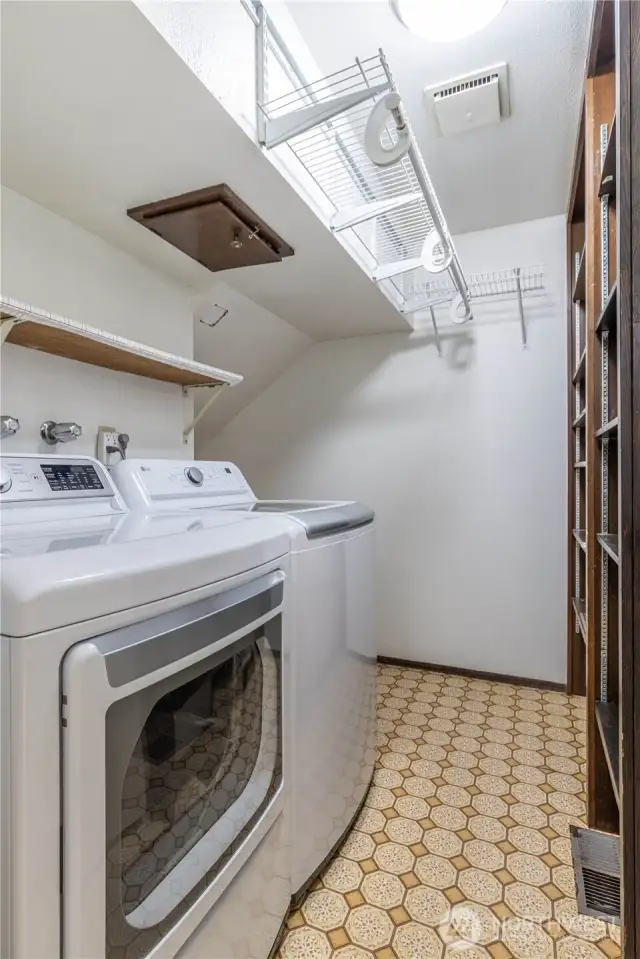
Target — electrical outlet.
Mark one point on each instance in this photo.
(107, 436)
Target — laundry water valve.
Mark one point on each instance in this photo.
(53, 433)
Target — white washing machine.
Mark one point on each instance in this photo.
(331, 630)
(142, 724)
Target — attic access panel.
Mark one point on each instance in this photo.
(214, 227)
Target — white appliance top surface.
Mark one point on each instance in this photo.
(167, 485)
(57, 570)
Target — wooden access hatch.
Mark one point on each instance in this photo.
(215, 227)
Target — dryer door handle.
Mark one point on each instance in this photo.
(136, 651)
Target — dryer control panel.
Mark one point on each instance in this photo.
(181, 484)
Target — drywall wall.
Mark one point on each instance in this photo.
(53, 264)
(463, 458)
(249, 340)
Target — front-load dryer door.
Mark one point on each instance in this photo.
(172, 762)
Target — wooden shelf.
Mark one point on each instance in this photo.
(37, 329)
(580, 419)
(580, 609)
(580, 285)
(599, 289)
(581, 367)
(609, 315)
(608, 178)
(580, 536)
(609, 430)
(609, 543)
(607, 720)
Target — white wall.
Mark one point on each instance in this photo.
(463, 458)
(51, 263)
(249, 340)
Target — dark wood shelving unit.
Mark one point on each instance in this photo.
(603, 379)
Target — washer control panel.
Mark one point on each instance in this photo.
(45, 478)
(58, 486)
(176, 484)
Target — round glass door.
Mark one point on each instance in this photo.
(192, 762)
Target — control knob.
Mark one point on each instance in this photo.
(5, 480)
(194, 475)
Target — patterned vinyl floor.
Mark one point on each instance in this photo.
(462, 848)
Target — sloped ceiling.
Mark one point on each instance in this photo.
(99, 114)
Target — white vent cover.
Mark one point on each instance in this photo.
(467, 102)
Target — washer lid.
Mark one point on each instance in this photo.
(145, 560)
(320, 518)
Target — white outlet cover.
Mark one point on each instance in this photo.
(106, 437)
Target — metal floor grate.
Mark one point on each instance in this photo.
(596, 860)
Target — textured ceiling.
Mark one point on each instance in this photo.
(515, 171)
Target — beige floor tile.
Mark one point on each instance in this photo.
(462, 849)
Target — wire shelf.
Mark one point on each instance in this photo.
(421, 295)
(333, 154)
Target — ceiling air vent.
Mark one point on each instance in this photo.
(467, 102)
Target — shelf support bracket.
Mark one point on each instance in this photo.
(361, 212)
(425, 305)
(386, 270)
(216, 391)
(296, 122)
(523, 325)
(7, 323)
(436, 334)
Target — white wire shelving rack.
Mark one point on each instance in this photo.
(386, 211)
(389, 210)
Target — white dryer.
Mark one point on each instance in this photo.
(141, 747)
(331, 628)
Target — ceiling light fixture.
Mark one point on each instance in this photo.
(446, 20)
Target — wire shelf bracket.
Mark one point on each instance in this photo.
(390, 208)
(396, 268)
(280, 129)
(362, 212)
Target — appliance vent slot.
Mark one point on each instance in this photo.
(466, 85)
(596, 861)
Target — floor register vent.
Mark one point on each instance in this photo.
(596, 861)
